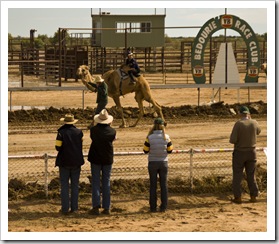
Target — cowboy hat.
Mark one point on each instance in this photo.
(103, 117)
(69, 119)
(98, 79)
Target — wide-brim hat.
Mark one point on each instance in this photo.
(103, 117)
(69, 119)
(99, 79)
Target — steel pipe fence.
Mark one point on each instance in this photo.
(191, 165)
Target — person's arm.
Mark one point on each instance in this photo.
(91, 86)
(233, 136)
(58, 142)
(169, 146)
(146, 146)
(258, 128)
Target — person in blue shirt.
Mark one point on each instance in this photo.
(132, 63)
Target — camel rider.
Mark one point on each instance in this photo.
(132, 63)
(102, 94)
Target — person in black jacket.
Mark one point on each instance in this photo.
(101, 158)
(69, 160)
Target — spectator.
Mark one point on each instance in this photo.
(244, 137)
(69, 160)
(101, 158)
(102, 95)
(158, 144)
(135, 70)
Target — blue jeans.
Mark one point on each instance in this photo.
(160, 168)
(69, 200)
(98, 171)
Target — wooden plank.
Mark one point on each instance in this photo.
(163, 86)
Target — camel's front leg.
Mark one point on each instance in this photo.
(139, 99)
(119, 108)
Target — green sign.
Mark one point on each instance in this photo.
(228, 22)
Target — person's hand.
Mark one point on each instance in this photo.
(84, 82)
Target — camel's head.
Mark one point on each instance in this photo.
(82, 71)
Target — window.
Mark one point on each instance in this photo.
(133, 27)
(145, 27)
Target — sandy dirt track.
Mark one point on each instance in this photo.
(186, 213)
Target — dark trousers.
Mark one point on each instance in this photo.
(100, 107)
(244, 160)
(161, 169)
(130, 72)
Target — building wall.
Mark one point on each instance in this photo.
(110, 38)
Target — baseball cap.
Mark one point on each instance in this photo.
(244, 110)
(158, 121)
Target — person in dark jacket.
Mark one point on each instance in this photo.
(135, 70)
(244, 137)
(101, 158)
(102, 95)
(158, 145)
(69, 160)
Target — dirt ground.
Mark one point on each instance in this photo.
(186, 213)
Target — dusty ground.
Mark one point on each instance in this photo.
(186, 213)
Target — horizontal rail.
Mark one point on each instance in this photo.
(161, 86)
(32, 61)
(211, 150)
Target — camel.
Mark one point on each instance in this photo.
(119, 84)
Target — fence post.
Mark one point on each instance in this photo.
(46, 174)
(82, 99)
(10, 100)
(191, 169)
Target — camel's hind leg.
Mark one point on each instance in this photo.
(119, 108)
(157, 107)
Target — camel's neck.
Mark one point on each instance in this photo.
(87, 78)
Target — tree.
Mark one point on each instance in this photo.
(55, 39)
